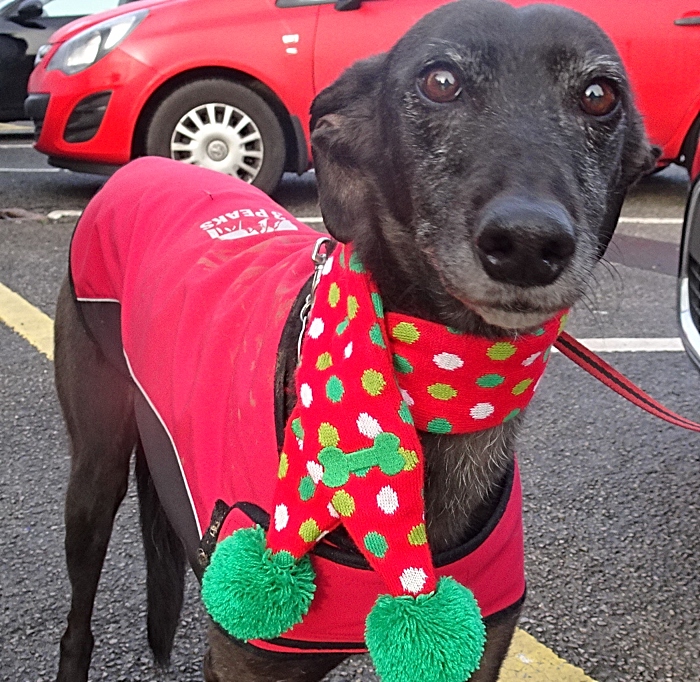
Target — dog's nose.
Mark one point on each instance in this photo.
(523, 241)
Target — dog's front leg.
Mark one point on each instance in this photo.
(499, 633)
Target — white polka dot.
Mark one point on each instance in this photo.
(481, 410)
(388, 500)
(306, 395)
(281, 517)
(448, 361)
(332, 511)
(316, 328)
(315, 471)
(413, 579)
(348, 350)
(405, 395)
(531, 359)
(300, 443)
(327, 265)
(368, 426)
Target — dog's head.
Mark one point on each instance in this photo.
(481, 164)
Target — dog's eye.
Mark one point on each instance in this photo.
(440, 85)
(599, 98)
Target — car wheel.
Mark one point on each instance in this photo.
(220, 125)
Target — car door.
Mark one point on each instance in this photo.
(20, 40)
(659, 42)
(343, 37)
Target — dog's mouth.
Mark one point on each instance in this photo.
(520, 317)
(511, 314)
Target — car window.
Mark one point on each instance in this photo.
(297, 3)
(77, 8)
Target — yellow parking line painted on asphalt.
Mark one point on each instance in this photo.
(528, 660)
(16, 128)
(28, 321)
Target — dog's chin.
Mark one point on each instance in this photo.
(511, 320)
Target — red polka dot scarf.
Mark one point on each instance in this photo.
(367, 382)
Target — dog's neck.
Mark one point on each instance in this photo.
(464, 474)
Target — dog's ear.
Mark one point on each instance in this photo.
(638, 159)
(346, 146)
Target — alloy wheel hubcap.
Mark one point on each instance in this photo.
(221, 137)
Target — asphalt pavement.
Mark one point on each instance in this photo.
(612, 503)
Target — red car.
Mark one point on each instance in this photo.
(227, 84)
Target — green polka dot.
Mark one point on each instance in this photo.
(328, 435)
(406, 332)
(439, 425)
(334, 389)
(342, 326)
(410, 458)
(284, 466)
(512, 414)
(538, 332)
(355, 264)
(521, 387)
(405, 413)
(333, 295)
(373, 382)
(376, 544)
(284, 559)
(324, 361)
(378, 305)
(442, 391)
(501, 351)
(341, 260)
(297, 428)
(401, 365)
(376, 336)
(417, 535)
(343, 503)
(452, 330)
(545, 357)
(353, 307)
(563, 321)
(307, 488)
(309, 531)
(490, 380)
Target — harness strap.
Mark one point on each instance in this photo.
(601, 370)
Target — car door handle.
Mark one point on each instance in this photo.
(690, 20)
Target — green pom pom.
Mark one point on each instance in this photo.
(438, 637)
(251, 592)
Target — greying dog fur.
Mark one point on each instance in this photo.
(479, 167)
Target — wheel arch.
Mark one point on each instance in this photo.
(296, 156)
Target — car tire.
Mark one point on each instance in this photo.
(221, 125)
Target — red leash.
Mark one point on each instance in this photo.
(601, 370)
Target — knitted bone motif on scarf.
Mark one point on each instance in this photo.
(366, 382)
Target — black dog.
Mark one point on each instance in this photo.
(479, 168)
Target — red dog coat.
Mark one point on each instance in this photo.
(202, 271)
